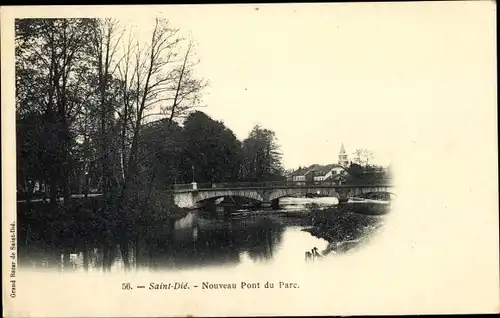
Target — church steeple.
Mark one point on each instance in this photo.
(343, 160)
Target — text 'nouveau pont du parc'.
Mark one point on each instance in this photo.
(212, 286)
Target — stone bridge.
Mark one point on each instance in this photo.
(268, 193)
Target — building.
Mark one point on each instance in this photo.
(316, 172)
(298, 175)
(343, 159)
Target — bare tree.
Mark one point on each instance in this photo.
(154, 80)
(363, 156)
(106, 42)
(88, 92)
(157, 82)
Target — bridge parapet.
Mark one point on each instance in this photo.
(190, 195)
(269, 185)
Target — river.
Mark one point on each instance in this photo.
(220, 236)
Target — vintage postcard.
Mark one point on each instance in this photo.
(249, 160)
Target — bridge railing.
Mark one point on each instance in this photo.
(263, 184)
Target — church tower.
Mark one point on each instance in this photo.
(343, 160)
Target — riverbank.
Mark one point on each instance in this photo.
(85, 220)
(343, 227)
(368, 207)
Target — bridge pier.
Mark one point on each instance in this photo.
(275, 204)
(343, 199)
(184, 200)
(265, 205)
(343, 195)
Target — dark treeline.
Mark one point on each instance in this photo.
(363, 171)
(86, 91)
(367, 174)
(205, 150)
(101, 109)
(98, 110)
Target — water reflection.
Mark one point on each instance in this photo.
(200, 239)
(216, 236)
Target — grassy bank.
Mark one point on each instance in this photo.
(84, 221)
(342, 225)
(367, 208)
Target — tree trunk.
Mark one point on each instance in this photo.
(53, 189)
(136, 252)
(66, 263)
(124, 247)
(85, 257)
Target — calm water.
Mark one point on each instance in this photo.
(201, 239)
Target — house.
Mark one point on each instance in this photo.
(333, 171)
(297, 175)
(316, 172)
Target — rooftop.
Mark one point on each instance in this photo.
(319, 170)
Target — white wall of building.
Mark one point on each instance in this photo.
(299, 178)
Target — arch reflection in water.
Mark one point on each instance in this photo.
(197, 240)
(216, 236)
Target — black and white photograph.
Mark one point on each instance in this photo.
(275, 146)
(121, 164)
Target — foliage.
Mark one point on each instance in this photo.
(372, 174)
(261, 156)
(52, 58)
(212, 152)
(207, 151)
(97, 111)
(100, 110)
(85, 91)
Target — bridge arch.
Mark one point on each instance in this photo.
(368, 195)
(357, 191)
(213, 195)
(187, 196)
(282, 193)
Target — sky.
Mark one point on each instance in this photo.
(316, 78)
(369, 75)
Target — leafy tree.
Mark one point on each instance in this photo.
(51, 58)
(211, 148)
(161, 147)
(261, 156)
(357, 174)
(30, 157)
(86, 99)
(355, 170)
